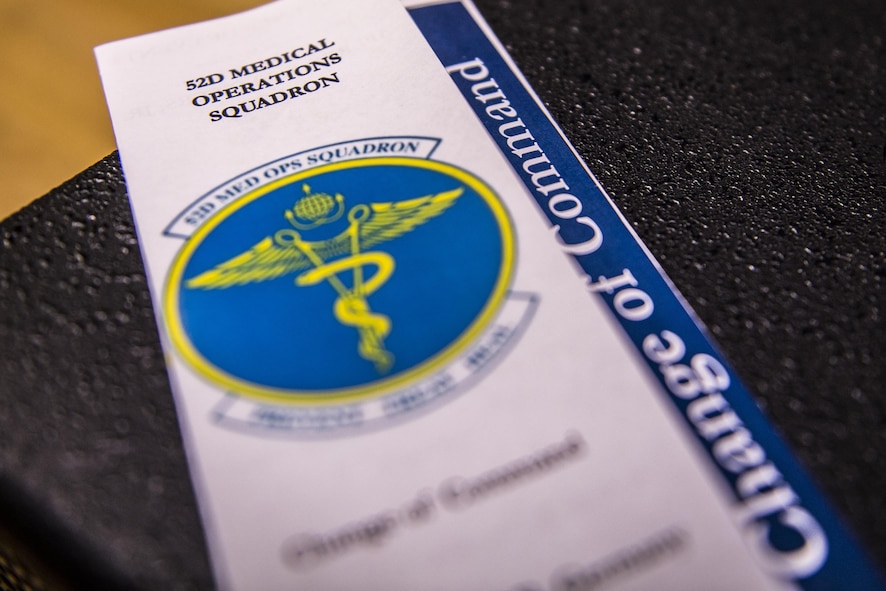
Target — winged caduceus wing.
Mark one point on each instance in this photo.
(393, 219)
(266, 260)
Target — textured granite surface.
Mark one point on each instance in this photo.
(744, 142)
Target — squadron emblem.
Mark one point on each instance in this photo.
(368, 225)
(341, 283)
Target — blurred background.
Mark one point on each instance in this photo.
(53, 119)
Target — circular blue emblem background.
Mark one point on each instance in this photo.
(276, 335)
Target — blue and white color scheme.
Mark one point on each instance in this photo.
(346, 290)
(413, 344)
(793, 531)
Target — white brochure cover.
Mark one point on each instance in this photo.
(388, 374)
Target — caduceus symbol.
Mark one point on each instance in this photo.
(368, 225)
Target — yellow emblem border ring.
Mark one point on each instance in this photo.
(188, 352)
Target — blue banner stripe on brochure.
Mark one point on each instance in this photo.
(787, 524)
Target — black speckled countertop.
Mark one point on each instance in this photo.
(743, 141)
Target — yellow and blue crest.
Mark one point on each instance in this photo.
(341, 283)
